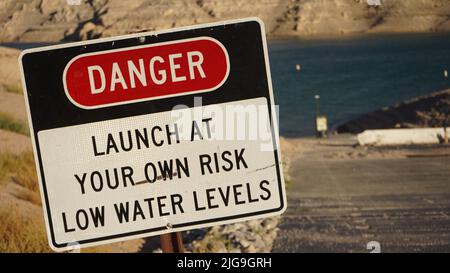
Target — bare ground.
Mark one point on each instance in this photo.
(13, 105)
(14, 143)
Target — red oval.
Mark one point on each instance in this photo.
(147, 72)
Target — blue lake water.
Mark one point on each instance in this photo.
(352, 75)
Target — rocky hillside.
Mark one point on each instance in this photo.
(56, 20)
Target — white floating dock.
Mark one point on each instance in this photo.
(406, 136)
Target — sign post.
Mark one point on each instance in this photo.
(320, 120)
(154, 133)
(172, 242)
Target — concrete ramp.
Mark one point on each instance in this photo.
(401, 136)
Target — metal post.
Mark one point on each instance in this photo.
(317, 97)
(445, 134)
(172, 242)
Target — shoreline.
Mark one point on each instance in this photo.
(430, 110)
(270, 38)
(351, 35)
(415, 112)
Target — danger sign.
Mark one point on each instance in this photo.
(151, 133)
(139, 73)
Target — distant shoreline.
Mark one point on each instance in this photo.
(428, 110)
(345, 36)
(270, 38)
(431, 110)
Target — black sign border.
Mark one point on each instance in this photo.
(134, 234)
